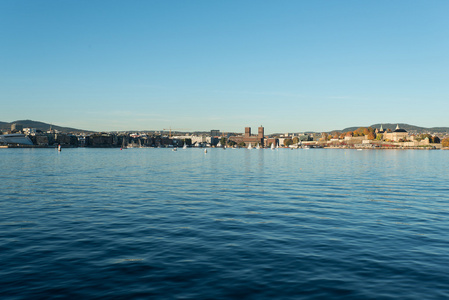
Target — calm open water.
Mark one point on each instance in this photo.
(229, 224)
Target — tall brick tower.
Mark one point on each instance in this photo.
(260, 136)
(261, 133)
(247, 131)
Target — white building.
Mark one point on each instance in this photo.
(29, 131)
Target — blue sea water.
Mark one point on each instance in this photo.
(227, 224)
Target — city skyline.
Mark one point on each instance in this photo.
(38, 126)
(294, 66)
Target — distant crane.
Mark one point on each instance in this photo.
(170, 129)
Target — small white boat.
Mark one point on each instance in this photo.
(272, 146)
(257, 147)
(205, 150)
(250, 147)
(184, 147)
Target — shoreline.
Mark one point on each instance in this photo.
(333, 148)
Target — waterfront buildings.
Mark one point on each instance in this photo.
(250, 139)
(15, 139)
(397, 135)
(362, 137)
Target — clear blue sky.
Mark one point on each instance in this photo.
(199, 65)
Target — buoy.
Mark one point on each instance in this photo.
(59, 147)
(205, 150)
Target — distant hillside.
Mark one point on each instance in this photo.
(4, 126)
(401, 125)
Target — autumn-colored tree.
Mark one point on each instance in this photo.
(366, 131)
(288, 142)
(359, 131)
(371, 136)
(349, 133)
(445, 142)
(379, 136)
(324, 136)
(342, 136)
(295, 140)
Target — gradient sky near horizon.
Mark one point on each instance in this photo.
(290, 66)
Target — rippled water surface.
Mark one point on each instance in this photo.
(229, 224)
